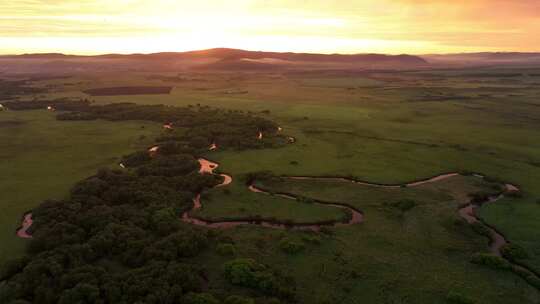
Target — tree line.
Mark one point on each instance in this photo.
(198, 126)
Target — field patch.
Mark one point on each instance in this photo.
(10, 123)
(135, 90)
(341, 82)
(50, 156)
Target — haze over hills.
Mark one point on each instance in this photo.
(211, 59)
(498, 58)
(224, 59)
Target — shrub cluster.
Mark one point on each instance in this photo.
(226, 249)
(403, 205)
(491, 261)
(514, 252)
(290, 246)
(454, 297)
(249, 273)
(480, 197)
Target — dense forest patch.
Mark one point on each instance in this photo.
(118, 237)
(196, 127)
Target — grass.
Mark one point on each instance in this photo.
(382, 127)
(42, 158)
(519, 222)
(235, 201)
(339, 82)
(414, 257)
(142, 90)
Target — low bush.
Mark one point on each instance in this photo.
(491, 261)
(326, 230)
(199, 298)
(480, 197)
(491, 179)
(482, 229)
(136, 159)
(514, 252)
(454, 297)
(533, 280)
(305, 200)
(226, 249)
(514, 194)
(311, 239)
(497, 187)
(403, 205)
(346, 216)
(260, 175)
(251, 274)
(290, 246)
(238, 300)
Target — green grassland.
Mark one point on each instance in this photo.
(42, 158)
(380, 127)
(394, 256)
(420, 253)
(237, 202)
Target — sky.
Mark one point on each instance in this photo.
(315, 26)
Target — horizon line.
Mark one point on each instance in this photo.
(262, 51)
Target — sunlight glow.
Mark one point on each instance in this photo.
(345, 26)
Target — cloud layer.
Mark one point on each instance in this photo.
(349, 26)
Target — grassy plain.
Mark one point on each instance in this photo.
(413, 256)
(416, 256)
(42, 158)
(382, 127)
(237, 202)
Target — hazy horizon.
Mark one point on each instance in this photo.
(258, 50)
(347, 27)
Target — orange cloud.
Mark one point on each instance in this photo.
(349, 26)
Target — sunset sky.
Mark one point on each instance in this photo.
(344, 26)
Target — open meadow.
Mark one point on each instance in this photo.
(42, 158)
(390, 127)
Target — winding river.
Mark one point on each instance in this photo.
(22, 232)
(497, 240)
(467, 212)
(208, 167)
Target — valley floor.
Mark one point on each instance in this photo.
(378, 127)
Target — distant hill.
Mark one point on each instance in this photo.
(211, 59)
(495, 58)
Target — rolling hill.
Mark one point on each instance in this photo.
(211, 59)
